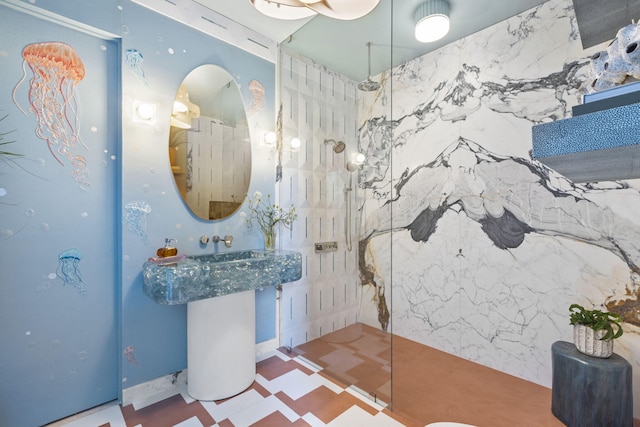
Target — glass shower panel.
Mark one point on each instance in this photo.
(337, 317)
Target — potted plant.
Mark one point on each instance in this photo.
(594, 330)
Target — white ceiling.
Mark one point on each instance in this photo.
(341, 45)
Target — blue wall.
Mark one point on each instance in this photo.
(169, 50)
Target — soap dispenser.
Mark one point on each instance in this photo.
(168, 250)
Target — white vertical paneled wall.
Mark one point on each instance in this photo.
(219, 165)
(317, 104)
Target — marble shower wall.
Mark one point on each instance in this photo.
(489, 247)
(316, 104)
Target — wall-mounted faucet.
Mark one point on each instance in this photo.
(227, 239)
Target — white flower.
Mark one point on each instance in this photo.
(268, 214)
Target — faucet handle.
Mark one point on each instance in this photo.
(227, 239)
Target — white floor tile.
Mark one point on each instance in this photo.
(111, 415)
(230, 407)
(330, 385)
(358, 417)
(383, 420)
(150, 400)
(294, 383)
(191, 422)
(260, 410)
(312, 420)
(283, 356)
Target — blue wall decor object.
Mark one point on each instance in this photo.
(599, 146)
(611, 128)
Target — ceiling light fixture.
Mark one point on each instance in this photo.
(432, 20)
(299, 9)
(283, 9)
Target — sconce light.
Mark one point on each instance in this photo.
(181, 101)
(144, 112)
(432, 20)
(268, 139)
(357, 160)
(295, 144)
(183, 110)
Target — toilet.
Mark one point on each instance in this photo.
(448, 424)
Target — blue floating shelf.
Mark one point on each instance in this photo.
(599, 146)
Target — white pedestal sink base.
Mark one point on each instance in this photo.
(221, 339)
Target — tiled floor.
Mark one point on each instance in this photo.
(429, 385)
(293, 389)
(287, 392)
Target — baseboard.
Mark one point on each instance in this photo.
(149, 392)
(159, 386)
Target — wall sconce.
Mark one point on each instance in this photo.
(295, 144)
(268, 139)
(432, 20)
(357, 160)
(144, 112)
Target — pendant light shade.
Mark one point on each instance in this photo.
(432, 20)
(288, 9)
(299, 9)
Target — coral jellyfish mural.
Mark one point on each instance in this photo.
(57, 70)
(69, 271)
(130, 356)
(256, 103)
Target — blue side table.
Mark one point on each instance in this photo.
(588, 391)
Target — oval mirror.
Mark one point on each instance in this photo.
(209, 143)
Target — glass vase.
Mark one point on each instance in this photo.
(269, 239)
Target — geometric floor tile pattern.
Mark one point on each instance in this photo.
(306, 386)
(287, 392)
(358, 355)
(428, 385)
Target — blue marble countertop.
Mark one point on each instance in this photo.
(198, 277)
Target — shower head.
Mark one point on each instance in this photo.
(369, 85)
(338, 146)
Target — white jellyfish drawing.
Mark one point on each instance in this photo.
(69, 271)
(136, 218)
(133, 59)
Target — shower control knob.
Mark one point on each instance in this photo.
(321, 247)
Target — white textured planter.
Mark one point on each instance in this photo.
(588, 341)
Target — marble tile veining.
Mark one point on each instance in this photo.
(483, 248)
